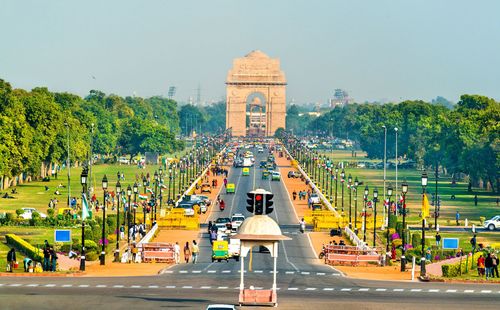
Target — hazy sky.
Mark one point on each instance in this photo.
(374, 49)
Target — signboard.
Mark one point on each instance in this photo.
(450, 243)
(62, 235)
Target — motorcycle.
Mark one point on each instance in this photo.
(222, 205)
(322, 253)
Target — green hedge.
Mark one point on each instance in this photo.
(24, 247)
(453, 270)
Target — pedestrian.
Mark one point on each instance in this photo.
(480, 265)
(309, 202)
(225, 182)
(53, 260)
(135, 250)
(294, 195)
(11, 260)
(122, 232)
(393, 252)
(457, 218)
(27, 263)
(187, 252)
(488, 266)
(177, 253)
(473, 242)
(46, 257)
(195, 252)
(214, 182)
(475, 200)
(438, 239)
(496, 262)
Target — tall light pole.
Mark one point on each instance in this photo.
(153, 215)
(385, 162)
(136, 191)
(90, 159)
(144, 185)
(422, 261)
(118, 196)
(349, 182)
(169, 182)
(375, 199)
(336, 180)
(356, 183)
(436, 199)
(342, 176)
(68, 165)
(83, 181)
(160, 187)
(129, 194)
(396, 133)
(404, 190)
(389, 194)
(365, 200)
(103, 236)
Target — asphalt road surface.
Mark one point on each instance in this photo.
(303, 281)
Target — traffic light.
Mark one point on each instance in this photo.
(269, 203)
(259, 204)
(251, 202)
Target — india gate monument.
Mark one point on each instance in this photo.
(255, 96)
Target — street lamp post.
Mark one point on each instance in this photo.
(103, 236)
(396, 133)
(356, 183)
(365, 198)
(68, 165)
(136, 190)
(153, 215)
(389, 194)
(342, 176)
(436, 199)
(385, 163)
(336, 180)
(118, 196)
(169, 182)
(349, 182)
(375, 198)
(404, 189)
(422, 261)
(330, 177)
(129, 194)
(144, 184)
(83, 179)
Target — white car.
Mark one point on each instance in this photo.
(236, 221)
(124, 160)
(315, 198)
(28, 212)
(233, 248)
(493, 223)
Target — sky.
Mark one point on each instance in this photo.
(376, 50)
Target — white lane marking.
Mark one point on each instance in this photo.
(1, 284)
(206, 287)
(49, 285)
(336, 274)
(32, 285)
(328, 289)
(187, 286)
(244, 271)
(292, 289)
(153, 286)
(310, 289)
(346, 289)
(258, 271)
(320, 273)
(101, 285)
(486, 291)
(290, 272)
(451, 291)
(67, 285)
(398, 290)
(433, 290)
(416, 290)
(295, 233)
(364, 289)
(212, 271)
(15, 284)
(168, 271)
(286, 232)
(468, 291)
(135, 286)
(83, 285)
(305, 272)
(381, 290)
(222, 288)
(118, 285)
(182, 271)
(170, 286)
(226, 271)
(271, 271)
(196, 271)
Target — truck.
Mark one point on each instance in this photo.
(234, 248)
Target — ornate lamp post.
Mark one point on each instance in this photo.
(349, 182)
(144, 185)
(103, 236)
(336, 180)
(83, 181)
(342, 176)
(365, 198)
(375, 198)
(153, 215)
(422, 261)
(169, 182)
(160, 186)
(356, 183)
(389, 194)
(136, 190)
(118, 196)
(404, 189)
(129, 194)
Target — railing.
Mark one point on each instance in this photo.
(357, 241)
(149, 235)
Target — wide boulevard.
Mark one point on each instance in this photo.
(303, 280)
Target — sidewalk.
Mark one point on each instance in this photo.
(435, 268)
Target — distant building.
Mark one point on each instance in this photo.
(340, 98)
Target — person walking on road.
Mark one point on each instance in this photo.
(177, 253)
(294, 195)
(11, 259)
(473, 242)
(195, 252)
(187, 252)
(438, 239)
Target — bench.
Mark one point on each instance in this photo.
(158, 256)
(352, 259)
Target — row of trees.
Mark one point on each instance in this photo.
(34, 128)
(462, 139)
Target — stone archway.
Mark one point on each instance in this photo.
(256, 88)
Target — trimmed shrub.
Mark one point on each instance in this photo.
(91, 256)
(393, 219)
(19, 212)
(399, 228)
(24, 247)
(397, 242)
(454, 270)
(416, 240)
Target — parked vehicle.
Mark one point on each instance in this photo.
(275, 176)
(236, 221)
(293, 174)
(28, 213)
(123, 160)
(315, 199)
(493, 223)
(206, 188)
(234, 247)
(188, 208)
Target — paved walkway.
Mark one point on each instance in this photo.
(435, 268)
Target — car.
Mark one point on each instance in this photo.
(220, 307)
(275, 176)
(260, 150)
(234, 248)
(262, 164)
(28, 213)
(223, 223)
(238, 163)
(194, 202)
(293, 174)
(236, 221)
(123, 160)
(493, 223)
(315, 198)
(188, 208)
(203, 198)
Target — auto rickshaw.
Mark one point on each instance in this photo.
(230, 188)
(245, 172)
(206, 188)
(316, 207)
(265, 174)
(64, 212)
(220, 251)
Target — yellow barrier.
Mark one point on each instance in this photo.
(177, 219)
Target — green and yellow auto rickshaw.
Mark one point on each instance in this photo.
(220, 251)
(230, 188)
(265, 174)
(245, 172)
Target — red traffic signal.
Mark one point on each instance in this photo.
(258, 197)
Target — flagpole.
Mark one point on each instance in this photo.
(422, 261)
(83, 179)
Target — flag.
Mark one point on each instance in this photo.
(143, 197)
(85, 207)
(149, 190)
(425, 207)
(163, 186)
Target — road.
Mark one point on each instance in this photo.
(303, 281)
